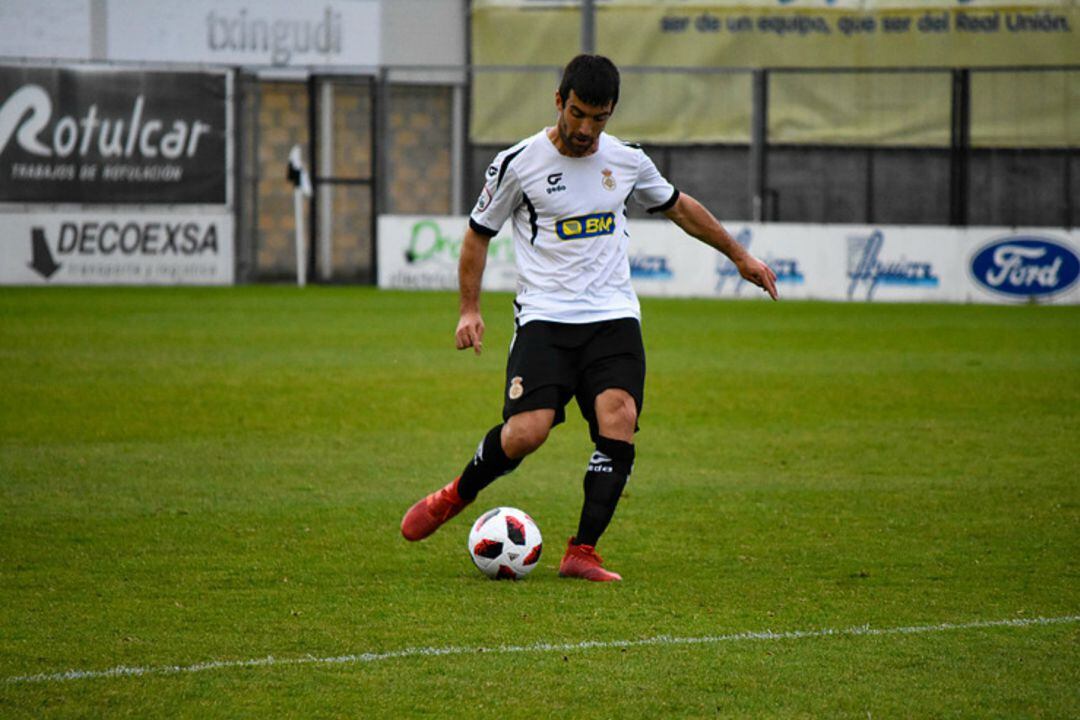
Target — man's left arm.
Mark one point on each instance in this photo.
(698, 222)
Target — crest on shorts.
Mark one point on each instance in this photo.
(516, 388)
(609, 180)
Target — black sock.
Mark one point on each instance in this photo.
(609, 469)
(489, 464)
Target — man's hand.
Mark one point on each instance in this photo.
(470, 332)
(758, 273)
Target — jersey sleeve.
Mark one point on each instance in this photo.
(500, 196)
(651, 189)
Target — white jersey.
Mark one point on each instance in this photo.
(569, 225)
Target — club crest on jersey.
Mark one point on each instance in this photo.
(609, 180)
(585, 226)
(516, 388)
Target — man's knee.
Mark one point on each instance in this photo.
(616, 414)
(525, 432)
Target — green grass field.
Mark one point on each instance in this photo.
(190, 476)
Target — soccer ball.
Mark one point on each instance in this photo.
(505, 543)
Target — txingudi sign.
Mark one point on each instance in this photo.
(278, 33)
(276, 39)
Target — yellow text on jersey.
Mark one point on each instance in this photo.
(585, 226)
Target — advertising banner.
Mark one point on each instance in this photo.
(787, 33)
(848, 263)
(859, 34)
(105, 136)
(866, 263)
(421, 253)
(686, 69)
(279, 33)
(116, 248)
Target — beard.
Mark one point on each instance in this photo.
(575, 144)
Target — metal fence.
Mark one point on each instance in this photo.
(996, 178)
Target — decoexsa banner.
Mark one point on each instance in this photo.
(107, 136)
(117, 248)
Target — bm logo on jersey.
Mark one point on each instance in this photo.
(585, 226)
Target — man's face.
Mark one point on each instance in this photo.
(580, 124)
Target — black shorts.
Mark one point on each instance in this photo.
(551, 362)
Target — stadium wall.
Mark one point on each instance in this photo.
(390, 81)
(858, 263)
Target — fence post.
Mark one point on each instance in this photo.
(301, 181)
(759, 120)
(959, 142)
(588, 26)
(313, 163)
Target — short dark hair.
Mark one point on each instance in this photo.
(594, 79)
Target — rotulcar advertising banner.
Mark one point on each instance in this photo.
(786, 33)
(92, 135)
(845, 263)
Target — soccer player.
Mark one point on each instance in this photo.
(577, 318)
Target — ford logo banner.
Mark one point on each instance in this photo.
(1025, 266)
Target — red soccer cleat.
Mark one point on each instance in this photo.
(429, 513)
(582, 561)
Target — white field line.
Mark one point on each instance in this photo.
(762, 635)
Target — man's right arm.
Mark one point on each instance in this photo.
(470, 328)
